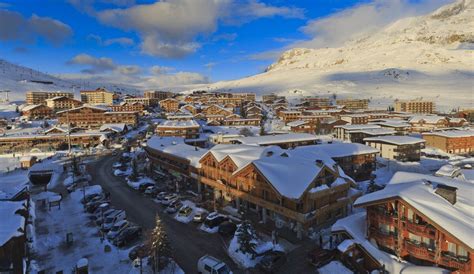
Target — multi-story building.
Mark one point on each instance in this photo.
(100, 96)
(157, 95)
(34, 112)
(241, 122)
(300, 126)
(289, 115)
(355, 119)
(316, 102)
(272, 98)
(357, 133)
(415, 106)
(427, 123)
(50, 141)
(188, 129)
(401, 127)
(127, 107)
(39, 97)
(425, 220)
(353, 104)
(400, 148)
(216, 110)
(92, 117)
(169, 105)
(61, 103)
(451, 141)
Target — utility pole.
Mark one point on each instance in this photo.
(68, 133)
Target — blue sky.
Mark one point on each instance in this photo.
(190, 40)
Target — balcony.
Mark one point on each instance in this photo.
(420, 251)
(459, 263)
(383, 217)
(388, 239)
(422, 229)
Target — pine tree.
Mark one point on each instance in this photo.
(134, 175)
(247, 238)
(160, 245)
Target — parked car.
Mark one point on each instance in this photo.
(143, 186)
(319, 257)
(99, 210)
(167, 200)
(151, 191)
(161, 196)
(227, 228)
(137, 251)
(117, 228)
(185, 211)
(208, 264)
(100, 216)
(200, 216)
(128, 235)
(91, 207)
(174, 207)
(271, 261)
(111, 220)
(89, 197)
(214, 219)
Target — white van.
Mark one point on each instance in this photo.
(112, 219)
(210, 265)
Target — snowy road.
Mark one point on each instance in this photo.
(188, 243)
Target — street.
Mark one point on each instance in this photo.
(188, 242)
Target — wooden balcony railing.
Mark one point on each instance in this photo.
(419, 251)
(453, 262)
(384, 239)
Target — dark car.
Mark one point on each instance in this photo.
(319, 257)
(137, 251)
(271, 261)
(214, 220)
(227, 228)
(128, 235)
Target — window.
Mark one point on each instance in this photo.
(462, 252)
(428, 242)
(410, 215)
(452, 248)
(207, 268)
(414, 238)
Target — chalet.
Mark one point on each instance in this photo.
(427, 123)
(289, 115)
(425, 220)
(300, 126)
(188, 129)
(128, 107)
(355, 119)
(457, 122)
(33, 112)
(357, 133)
(169, 105)
(400, 148)
(94, 117)
(241, 122)
(62, 102)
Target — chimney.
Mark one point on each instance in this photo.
(319, 162)
(269, 153)
(447, 192)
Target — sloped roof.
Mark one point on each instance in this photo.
(419, 191)
(395, 140)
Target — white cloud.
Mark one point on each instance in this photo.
(128, 70)
(210, 65)
(225, 36)
(175, 28)
(13, 27)
(95, 65)
(123, 41)
(156, 70)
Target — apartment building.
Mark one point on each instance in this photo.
(157, 95)
(94, 117)
(33, 112)
(451, 141)
(61, 103)
(400, 148)
(188, 129)
(100, 96)
(353, 104)
(357, 133)
(285, 141)
(272, 98)
(127, 107)
(240, 122)
(39, 97)
(316, 102)
(289, 115)
(169, 105)
(355, 119)
(425, 220)
(415, 106)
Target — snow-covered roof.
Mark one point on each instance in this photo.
(358, 127)
(338, 150)
(375, 131)
(277, 139)
(31, 107)
(395, 140)
(297, 123)
(114, 127)
(356, 226)
(392, 123)
(448, 171)
(11, 184)
(430, 119)
(103, 108)
(419, 191)
(452, 133)
(12, 224)
(178, 123)
(177, 147)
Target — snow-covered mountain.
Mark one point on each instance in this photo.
(19, 79)
(427, 56)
